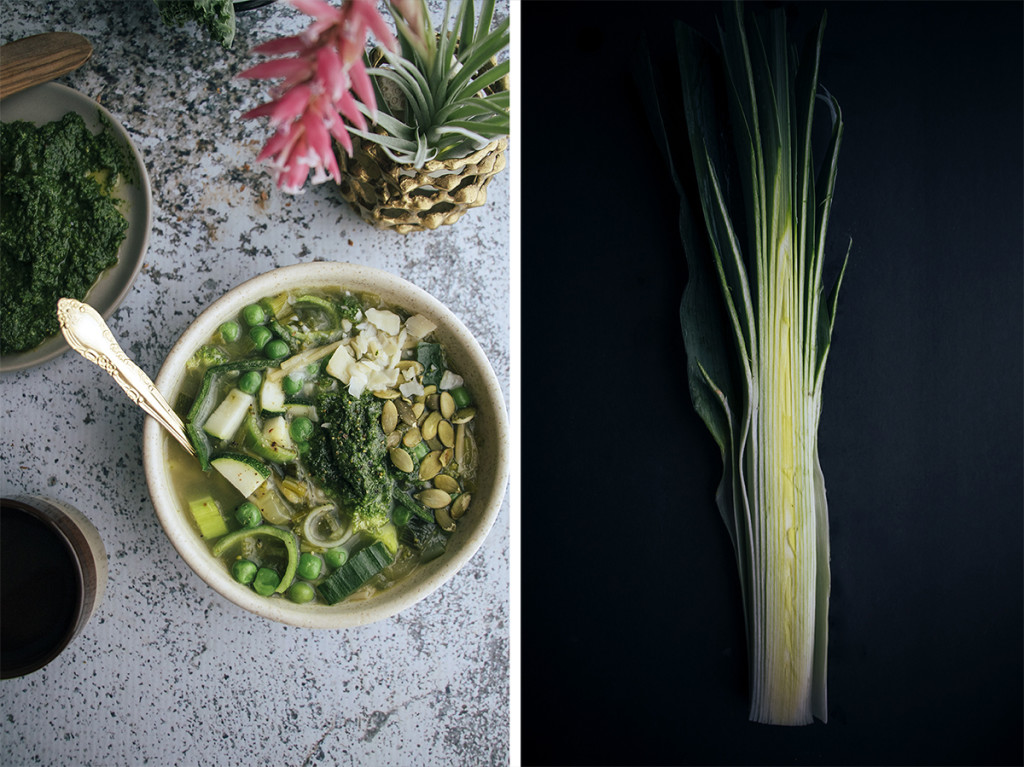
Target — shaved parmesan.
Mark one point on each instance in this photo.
(389, 322)
(419, 326)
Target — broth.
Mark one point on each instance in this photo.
(336, 448)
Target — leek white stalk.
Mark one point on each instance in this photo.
(757, 335)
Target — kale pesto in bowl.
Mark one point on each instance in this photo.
(351, 445)
(74, 219)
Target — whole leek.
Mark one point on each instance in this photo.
(757, 334)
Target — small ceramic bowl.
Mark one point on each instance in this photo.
(466, 357)
(49, 102)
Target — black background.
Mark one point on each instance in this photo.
(631, 626)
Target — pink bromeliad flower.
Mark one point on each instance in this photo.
(323, 81)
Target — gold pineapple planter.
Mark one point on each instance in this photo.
(404, 199)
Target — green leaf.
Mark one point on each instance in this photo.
(484, 128)
(482, 52)
(807, 77)
(826, 185)
(827, 322)
(474, 107)
(414, 86)
(410, 90)
(489, 77)
(422, 151)
(448, 46)
(698, 66)
(396, 128)
(485, 39)
(467, 139)
(390, 142)
(485, 20)
(467, 16)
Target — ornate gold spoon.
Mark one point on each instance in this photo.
(88, 334)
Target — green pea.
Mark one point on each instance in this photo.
(291, 385)
(276, 349)
(461, 396)
(254, 315)
(301, 429)
(300, 593)
(230, 331)
(419, 451)
(248, 514)
(250, 382)
(260, 335)
(266, 581)
(309, 566)
(335, 558)
(243, 570)
(400, 516)
(313, 370)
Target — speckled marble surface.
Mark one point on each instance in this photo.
(168, 672)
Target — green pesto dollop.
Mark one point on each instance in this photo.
(59, 225)
(347, 456)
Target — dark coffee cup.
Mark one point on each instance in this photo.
(53, 572)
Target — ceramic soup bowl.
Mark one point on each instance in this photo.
(161, 452)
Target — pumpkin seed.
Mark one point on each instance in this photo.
(401, 459)
(417, 410)
(394, 439)
(388, 394)
(446, 482)
(433, 401)
(433, 498)
(446, 456)
(412, 437)
(460, 505)
(430, 389)
(430, 466)
(429, 427)
(444, 519)
(446, 433)
(435, 444)
(405, 412)
(464, 416)
(447, 404)
(389, 417)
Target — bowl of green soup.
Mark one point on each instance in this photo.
(350, 445)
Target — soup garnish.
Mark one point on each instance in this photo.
(335, 447)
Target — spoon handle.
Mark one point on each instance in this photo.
(39, 59)
(88, 334)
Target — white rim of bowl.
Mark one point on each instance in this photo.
(405, 593)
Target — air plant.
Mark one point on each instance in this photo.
(447, 105)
